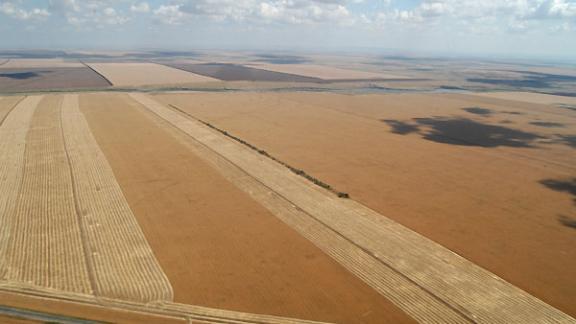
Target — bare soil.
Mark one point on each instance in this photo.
(218, 247)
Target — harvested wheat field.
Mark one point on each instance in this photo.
(140, 74)
(491, 181)
(209, 208)
(244, 260)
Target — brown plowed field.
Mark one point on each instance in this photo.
(218, 247)
(234, 72)
(28, 79)
(323, 72)
(488, 179)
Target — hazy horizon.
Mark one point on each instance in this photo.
(509, 28)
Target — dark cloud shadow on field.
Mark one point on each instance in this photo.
(569, 140)
(567, 221)
(21, 75)
(400, 127)
(463, 131)
(546, 124)
(564, 106)
(479, 111)
(561, 185)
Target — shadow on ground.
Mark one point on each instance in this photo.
(479, 111)
(20, 75)
(463, 131)
(569, 140)
(400, 127)
(567, 221)
(561, 185)
(546, 124)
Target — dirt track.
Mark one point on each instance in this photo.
(218, 247)
(486, 204)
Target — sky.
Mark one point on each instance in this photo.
(513, 28)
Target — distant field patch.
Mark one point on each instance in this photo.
(139, 74)
(324, 72)
(234, 72)
(39, 63)
(24, 79)
(537, 98)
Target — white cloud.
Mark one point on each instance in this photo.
(170, 15)
(12, 9)
(142, 7)
(253, 11)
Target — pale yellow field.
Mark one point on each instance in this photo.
(323, 72)
(38, 63)
(139, 74)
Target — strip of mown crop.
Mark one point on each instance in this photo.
(297, 171)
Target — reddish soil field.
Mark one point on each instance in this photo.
(50, 78)
(218, 247)
(489, 179)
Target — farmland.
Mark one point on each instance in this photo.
(138, 74)
(260, 188)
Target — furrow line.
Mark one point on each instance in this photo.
(13, 131)
(190, 312)
(427, 271)
(124, 265)
(44, 246)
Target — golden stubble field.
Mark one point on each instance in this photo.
(155, 206)
(490, 179)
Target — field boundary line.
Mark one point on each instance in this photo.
(296, 171)
(476, 292)
(13, 131)
(95, 71)
(124, 265)
(189, 312)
